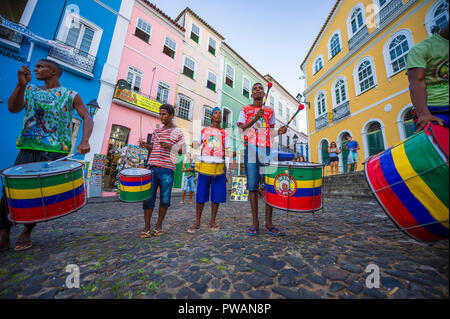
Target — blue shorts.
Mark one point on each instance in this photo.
(216, 185)
(162, 177)
(188, 184)
(254, 159)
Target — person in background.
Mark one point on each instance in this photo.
(353, 148)
(333, 152)
(188, 179)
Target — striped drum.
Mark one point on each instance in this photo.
(37, 194)
(410, 181)
(293, 186)
(135, 184)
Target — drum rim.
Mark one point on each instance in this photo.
(308, 165)
(49, 219)
(147, 174)
(198, 160)
(40, 175)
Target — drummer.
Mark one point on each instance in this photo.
(257, 123)
(47, 130)
(215, 142)
(427, 69)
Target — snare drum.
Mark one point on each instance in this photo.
(293, 186)
(37, 194)
(410, 181)
(135, 184)
(211, 166)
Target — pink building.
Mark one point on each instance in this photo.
(148, 76)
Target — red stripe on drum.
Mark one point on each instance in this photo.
(294, 203)
(135, 178)
(37, 214)
(394, 208)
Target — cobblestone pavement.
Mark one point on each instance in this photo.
(324, 255)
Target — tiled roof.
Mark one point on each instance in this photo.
(201, 20)
(320, 33)
(154, 7)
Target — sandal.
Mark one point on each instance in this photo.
(23, 245)
(145, 234)
(158, 232)
(252, 232)
(193, 229)
(214, 228)
(274, 231)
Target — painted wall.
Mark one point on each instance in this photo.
(382, 103)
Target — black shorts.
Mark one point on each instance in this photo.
(334, 159)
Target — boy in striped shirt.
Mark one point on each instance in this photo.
(166, 143)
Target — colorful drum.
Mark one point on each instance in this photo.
(135, 184)
(208, 165)
(37, 194)
(293, 186)
(410, 181)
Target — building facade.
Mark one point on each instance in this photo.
(355, 74)
(87, 27)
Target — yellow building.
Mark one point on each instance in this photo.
(355, 74)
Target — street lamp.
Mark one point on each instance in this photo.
(93, 107)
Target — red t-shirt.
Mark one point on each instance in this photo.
(259, 133)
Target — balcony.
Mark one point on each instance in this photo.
(286, 149)
(358, 37)
(13, 39)
(341, 111)
(74, 58)
(322, 121)
(388, 11)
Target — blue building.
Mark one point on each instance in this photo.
(88, 27)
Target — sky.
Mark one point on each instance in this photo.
(273, 36)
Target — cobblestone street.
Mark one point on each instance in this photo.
(324, 255)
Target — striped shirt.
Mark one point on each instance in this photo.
(162, 157)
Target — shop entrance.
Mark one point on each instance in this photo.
(117, 140)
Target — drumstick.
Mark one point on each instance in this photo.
(47, 164)
(300, 107)
(30, 52)
(269, 86)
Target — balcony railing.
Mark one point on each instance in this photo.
(10, 35)
(341, 111)
(74, 57)
(286, 149)
(322, 121)
(388, 11)
(358, 37)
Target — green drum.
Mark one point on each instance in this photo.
(293, 186)
(135, 184)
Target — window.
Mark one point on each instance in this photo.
(288, 114)
(195, 33)
(408, 123)
(398, 51)
(212, 46)
(226, 118)
(143, 30)
(80, 36)
(365, 77)
(356, 21)
(280, 140)
(335, 45)
(184, 107)
(17, 11)
(134, 77)
(437, 16)
(340, 92)
(272, 102)
(206, 115)
(318, 64)
(280, 108)
(211, 82)
(246, 87)
(295, 122)
(321, 104)
(163, 92)
(170, 47)
(189, 67)
(288, 142)
(229, 77)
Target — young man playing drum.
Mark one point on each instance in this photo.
(215, 142)
(166, 143)
(427, 69)
(257, 122)
(47, 130)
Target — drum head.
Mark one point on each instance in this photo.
(36, 169)
(135, 172)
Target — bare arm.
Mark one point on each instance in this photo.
(88, 125)
(418, 92)
(16, 101)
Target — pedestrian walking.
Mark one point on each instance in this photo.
(353, 148)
